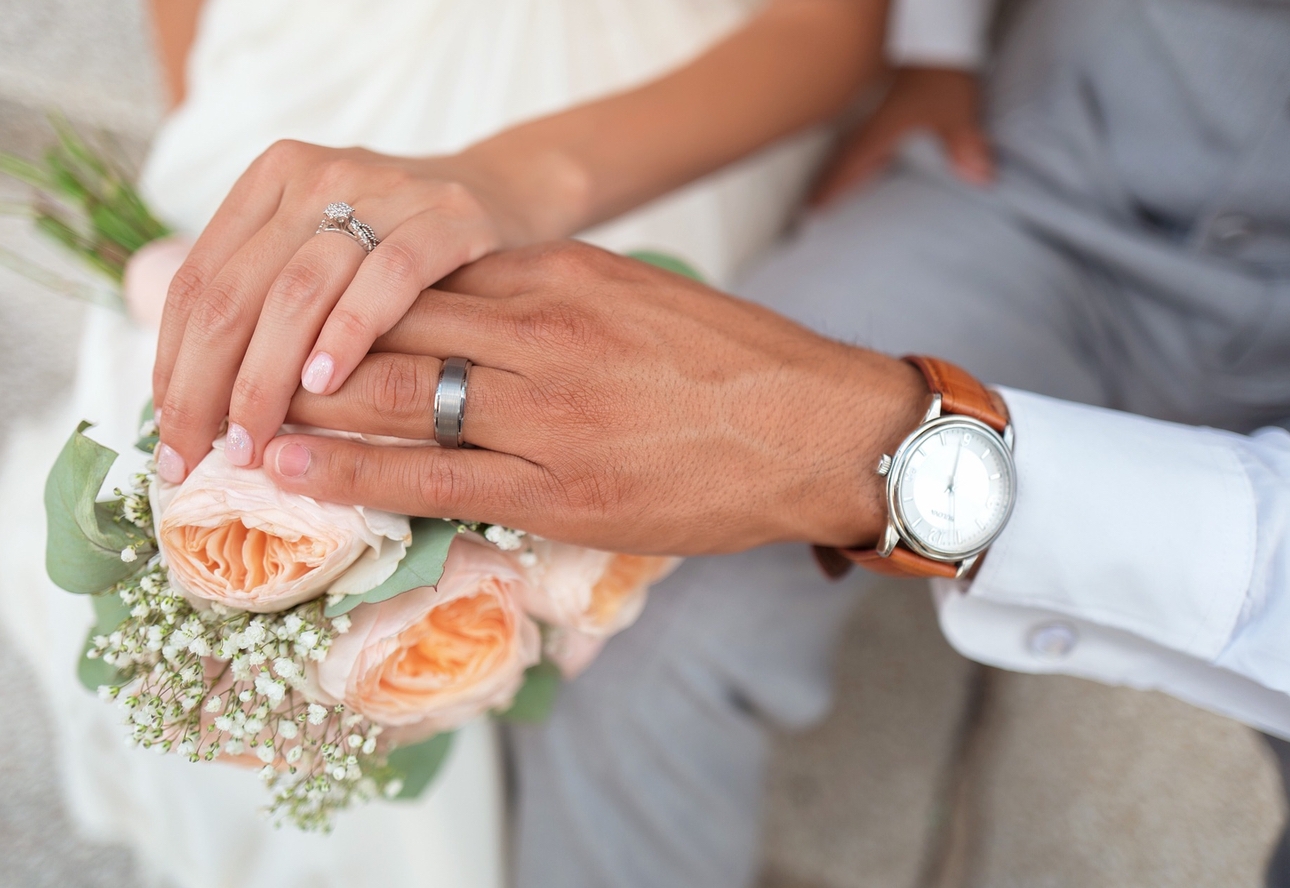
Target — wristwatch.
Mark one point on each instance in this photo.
(951, 484)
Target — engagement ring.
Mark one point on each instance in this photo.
(339, 217)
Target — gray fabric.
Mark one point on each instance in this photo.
(648, 772)
(1106, 266)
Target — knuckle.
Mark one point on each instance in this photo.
(283, 154)
(187, 285)
(182, 421)
(350, 469)
(456, 198)
(297, 286)
(398, 388)
(218, 312)
(249, 394)
(336, 173)
(555, 323)
(563, 259)
(440, 486)
(396, 262)
(351, 324)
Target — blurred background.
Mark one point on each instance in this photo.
(931, 771)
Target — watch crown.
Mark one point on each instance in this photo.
(884, 464)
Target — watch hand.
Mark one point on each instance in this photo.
(954, 471)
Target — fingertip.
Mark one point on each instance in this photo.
(318, 373)
(239, 446)
(170, 465)
(287, 458)
(972, 159)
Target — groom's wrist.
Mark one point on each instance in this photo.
(877, 402)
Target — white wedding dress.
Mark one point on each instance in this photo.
(403, 77)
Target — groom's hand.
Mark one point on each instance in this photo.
(617, 406)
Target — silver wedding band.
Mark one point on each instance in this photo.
(450, 402)
(338, 217)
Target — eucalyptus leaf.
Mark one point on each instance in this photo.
(536, 696)
(421, 566)
(148, 443)
(418, 764)
(109, 612)
(85, 537)
(667, 262)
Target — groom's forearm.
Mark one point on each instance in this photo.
(796, 63)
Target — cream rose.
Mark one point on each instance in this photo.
(433, 658)
(570, 650)
(229, 535)
(588, 591)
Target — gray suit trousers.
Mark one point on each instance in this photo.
(1135, 253)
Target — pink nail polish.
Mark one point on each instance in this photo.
(238, 446)
(170, 465)
(293, 461)
(318, 374)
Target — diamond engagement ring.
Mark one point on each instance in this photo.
(450, 402)
(339, 217)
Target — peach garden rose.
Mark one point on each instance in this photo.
(228, 535)
(433, 658)
(588, 591)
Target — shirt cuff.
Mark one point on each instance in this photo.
(938, 33)
(1134, 524)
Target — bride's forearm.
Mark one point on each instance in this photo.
(795, 64)
(174, 24)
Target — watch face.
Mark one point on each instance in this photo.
(953, 488)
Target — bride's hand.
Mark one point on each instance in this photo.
(262, 305)
(943, 101)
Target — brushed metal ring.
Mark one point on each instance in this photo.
(450, 402)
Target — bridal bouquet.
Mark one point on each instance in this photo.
(333, 648)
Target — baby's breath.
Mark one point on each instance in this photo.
(217, 682)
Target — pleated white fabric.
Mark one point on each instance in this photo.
(400, 76)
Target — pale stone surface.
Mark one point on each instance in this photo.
(1078, 785)
(90, 59)
(858, 802)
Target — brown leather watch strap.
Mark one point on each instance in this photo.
(961, 394)
(901, 562)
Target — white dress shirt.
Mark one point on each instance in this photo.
(938, 33)
(1139, 553)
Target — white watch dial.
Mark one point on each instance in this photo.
(954, 490)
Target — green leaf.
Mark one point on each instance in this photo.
(83, 548)
(536, 696)
(148, 443)
(418, 764)
(667, 263)
(109, 612)
(422, 566)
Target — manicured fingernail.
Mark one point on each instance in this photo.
(318, 374)
(293, 461)
(156, 417)
(170, 465)
(238, 446)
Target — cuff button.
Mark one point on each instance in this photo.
(1052, 641)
